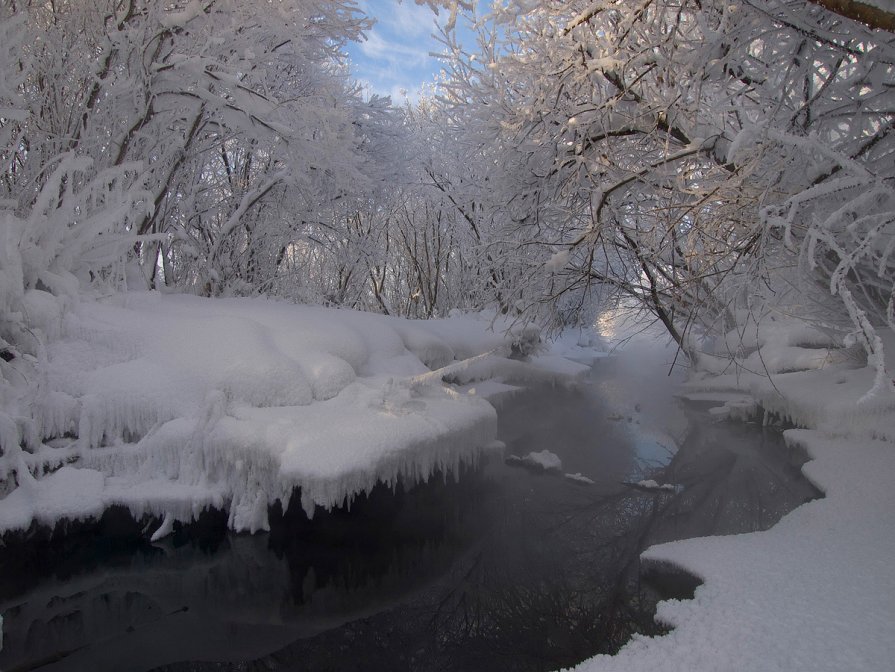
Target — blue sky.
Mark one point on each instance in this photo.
(394, 60)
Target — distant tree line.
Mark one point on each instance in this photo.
(699, 158)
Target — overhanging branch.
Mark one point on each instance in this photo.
(871, 15)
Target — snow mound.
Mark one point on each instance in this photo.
(650, 484)
(823, 399)
(812, 593)
(168, 405)
(543, 460)
(815, 591)
(771, 331)
(578, 477)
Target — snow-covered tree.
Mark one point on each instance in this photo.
(682, 152)
(222, 121)
(150, 143)
(695, 157)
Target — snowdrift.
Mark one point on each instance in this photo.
(171, 404)
(814, 592)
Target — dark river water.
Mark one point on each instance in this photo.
(502, 569)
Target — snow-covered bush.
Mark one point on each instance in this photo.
(146, 143)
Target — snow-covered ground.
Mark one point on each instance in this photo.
(817, 591)
(171, 404)
(542, 460)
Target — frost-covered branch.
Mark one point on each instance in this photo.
(875, 13)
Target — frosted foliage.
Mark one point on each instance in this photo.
(114, 115)
(171, 404)
(687, 156)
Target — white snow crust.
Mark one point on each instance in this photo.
(578, 477)
(650, 484)
(170, 404)
(543, 459)
(816, 591)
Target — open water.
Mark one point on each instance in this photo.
(504, 568)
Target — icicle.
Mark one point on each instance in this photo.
(164, 529)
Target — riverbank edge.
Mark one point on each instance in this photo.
(814, 591)
(141, 401)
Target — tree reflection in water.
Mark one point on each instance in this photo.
(504, 570)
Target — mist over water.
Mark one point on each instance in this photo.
(503, 569)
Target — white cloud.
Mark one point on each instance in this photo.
(395, 59)
(379, 48)
(410, 19)
(404, 19)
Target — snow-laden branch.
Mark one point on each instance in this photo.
(875, 13)
(436, 376)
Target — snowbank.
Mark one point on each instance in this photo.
(543, 460)
(816, 591)
(650, 484)
(171, 404)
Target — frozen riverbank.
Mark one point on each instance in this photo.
(816, 591)
(168, 405)
(396, 582)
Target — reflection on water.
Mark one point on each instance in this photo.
(503, 570)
